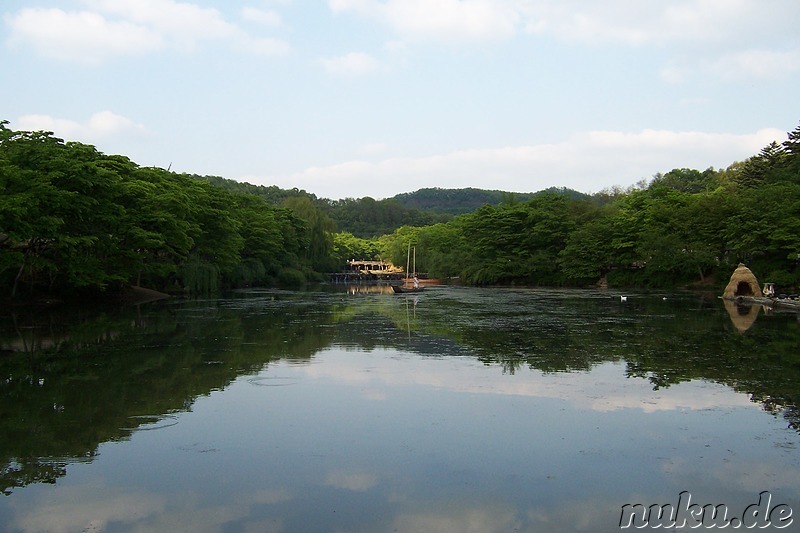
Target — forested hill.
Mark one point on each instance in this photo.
(366, 217)
(272, 194)
(467, 200)
(362, 217)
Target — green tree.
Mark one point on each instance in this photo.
(59, 213)
(686, 180)
(347, 246)
(158, 229)
(588, 253)
(319, 230)
(442, 250)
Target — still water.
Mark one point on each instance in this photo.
(458, 409)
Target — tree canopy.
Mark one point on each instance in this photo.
(72, 218)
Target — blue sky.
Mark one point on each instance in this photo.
(354, 98)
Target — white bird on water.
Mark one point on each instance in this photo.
(623, 298)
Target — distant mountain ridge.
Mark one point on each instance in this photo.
(436, 199)
(467, 200)
(366, 217)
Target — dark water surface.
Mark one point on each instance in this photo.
(460, 409)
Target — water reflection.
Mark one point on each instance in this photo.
(388, 440)
(332, 387)
(369, 288)
(742, 316)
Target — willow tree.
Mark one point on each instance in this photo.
(319, 231)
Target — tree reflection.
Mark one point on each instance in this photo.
(75, 378)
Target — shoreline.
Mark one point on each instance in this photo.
(779, 303)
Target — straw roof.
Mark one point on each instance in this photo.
(743, 283)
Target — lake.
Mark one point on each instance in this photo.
(352, 409)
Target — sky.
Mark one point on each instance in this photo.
(356, 98)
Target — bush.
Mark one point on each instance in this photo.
(199, 277)
(291, 277)
(248, 273)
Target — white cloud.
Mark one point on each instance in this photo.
(112, 28)
(261, 16)
(82, 37)
(760, 64)
(637, 23)
(712, 36)
(372, 149)
(673, 74)
(587, 162)
(99, 126)
(453, 19)
(737, 66)
(615, 21)
(352, 63)
(361, 6)
(262, 46)
(107, 123)
(590, 22)
(179, 21)
(440, 19)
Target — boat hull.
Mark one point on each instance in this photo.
(399, 289)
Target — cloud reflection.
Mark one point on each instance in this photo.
(460, 520)
(600, 390)
(87, 508)
(84, 508)
(355, 481)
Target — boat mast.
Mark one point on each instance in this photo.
(408, 261)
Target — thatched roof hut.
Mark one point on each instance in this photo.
(743, 283)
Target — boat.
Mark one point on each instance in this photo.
(414, 286)
(402, 289)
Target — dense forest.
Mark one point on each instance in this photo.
(366, 217)
(362, 217)
(73, 219)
